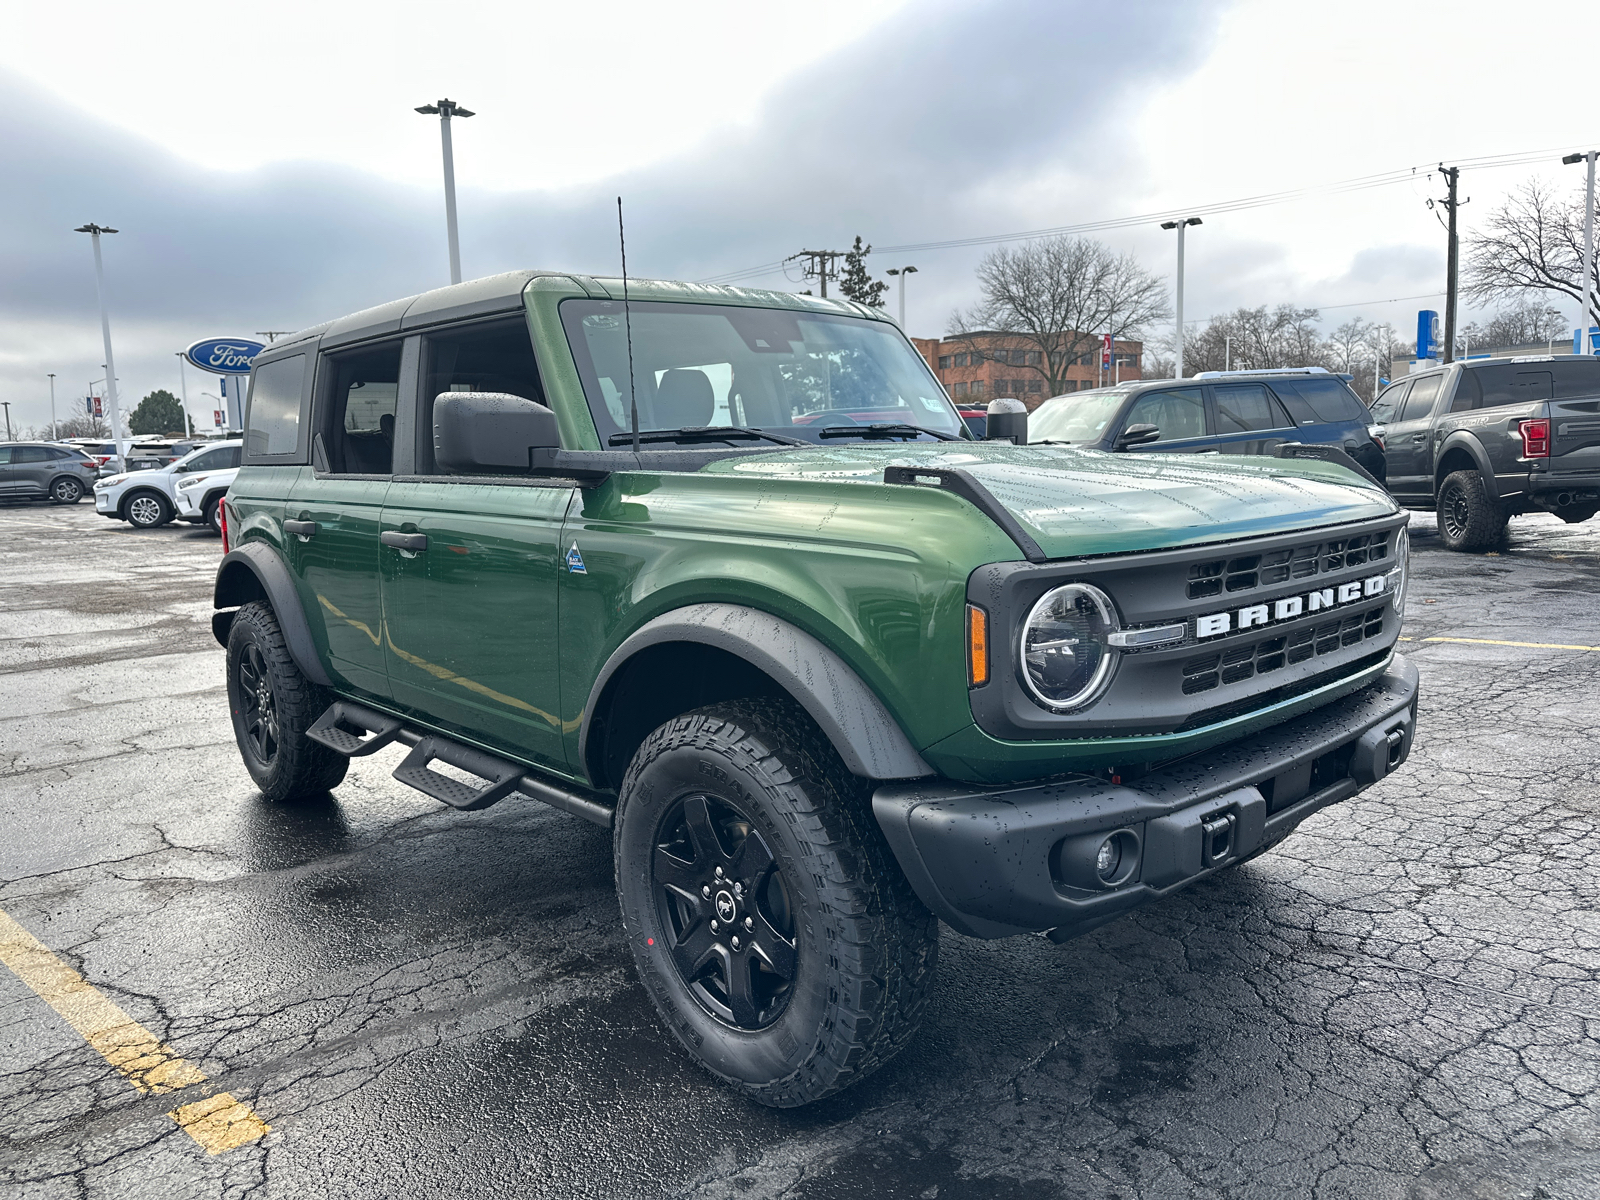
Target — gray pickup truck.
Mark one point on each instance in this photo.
(1480, 442)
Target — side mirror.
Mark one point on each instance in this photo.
(1138, 435)
(490, 431)
(1007, 421)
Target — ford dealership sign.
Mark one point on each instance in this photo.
(224, 356)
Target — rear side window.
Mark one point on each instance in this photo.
(23, 454)
(272, 423)
(1419, 405)
(362, 391)
(1329, 400)
(1244, 407)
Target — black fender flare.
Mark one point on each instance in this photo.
(1462, 440)
(850, 715)
(253, 571)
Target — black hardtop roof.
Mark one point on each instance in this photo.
(503, 294)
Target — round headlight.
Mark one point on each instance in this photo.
(1066, 657)
(1397, 582)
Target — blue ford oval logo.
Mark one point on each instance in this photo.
(224, 356)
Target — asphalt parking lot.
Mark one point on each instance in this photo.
(376, 996)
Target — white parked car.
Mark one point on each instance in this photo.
(198, 498)
(148, 499)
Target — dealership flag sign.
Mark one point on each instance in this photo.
(224, 356)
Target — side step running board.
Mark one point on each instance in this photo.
(353, 730)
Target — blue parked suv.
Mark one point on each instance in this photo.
(1219, 412)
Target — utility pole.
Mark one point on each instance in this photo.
(902, 272)
(1180, 226)
(95, 231)
(183, 385)
(821, 265)
(1586, 307)
(55, 430)
(1452, 261)
(447, 109)
(6, 404)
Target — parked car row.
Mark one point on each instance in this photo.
(190, 489)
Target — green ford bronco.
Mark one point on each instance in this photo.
(723, 571)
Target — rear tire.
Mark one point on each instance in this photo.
(273, 705)
(1468, 517)
(820, 967)
(147, 510)
(66, 490)
(213, 517)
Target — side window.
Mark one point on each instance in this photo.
(1469, 393)
(212, 460)
(1387, 404)
(1326, 399)
(272, 420)
(1245, 407)
(30, 454)
(5, 456)
(494, 357)
(359, 393)
(1419, 405)
(1177, 412)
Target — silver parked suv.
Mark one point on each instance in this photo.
(45, 471)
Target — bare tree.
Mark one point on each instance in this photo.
(1532, 242)
(1350, 345)
(1257, 338)
(1056, 297)
(1522, 324)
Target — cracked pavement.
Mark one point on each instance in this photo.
(1402, 1000)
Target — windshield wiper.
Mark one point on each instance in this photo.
(885, 429)
(704, 433)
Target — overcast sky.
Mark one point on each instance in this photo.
(289, 181)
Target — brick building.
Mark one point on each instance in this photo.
(977, 368)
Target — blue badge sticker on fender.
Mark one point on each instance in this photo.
(575, 561)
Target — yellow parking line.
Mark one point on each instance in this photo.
(1492, 642)
(218, 1122)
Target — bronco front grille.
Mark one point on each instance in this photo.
(1226, 575)
(1238, 663)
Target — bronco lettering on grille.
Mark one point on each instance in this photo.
(1255, 616)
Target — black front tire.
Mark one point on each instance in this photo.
(147, 510)
(1468, 517)
(273, 705)
(841, 950)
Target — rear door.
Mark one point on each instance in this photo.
(1249, 419)
(332, 518)
(469, 594)
(1575, 417)
(31, 469)
(8, 486)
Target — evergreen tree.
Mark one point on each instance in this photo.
(855, 283)
(159, 412)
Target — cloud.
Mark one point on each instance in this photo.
(934, 124)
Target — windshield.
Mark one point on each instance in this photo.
(795, 374)
(1078, 418)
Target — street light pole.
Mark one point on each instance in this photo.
(55, 430)
(1180, 226)
(1587, 307)
(183, 386)
(902, 272)
(95, 231)
(447, 109)
(6, 404)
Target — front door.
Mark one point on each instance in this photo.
(469, 602)
(332, 518)
(1180, 415)
(1406, 439)
(8, 485)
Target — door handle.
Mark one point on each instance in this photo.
(303, 529)
(404, 541)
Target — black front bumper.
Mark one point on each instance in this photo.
(993, 862)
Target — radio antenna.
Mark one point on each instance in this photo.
(627, 325)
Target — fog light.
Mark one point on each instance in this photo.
(1108, 858)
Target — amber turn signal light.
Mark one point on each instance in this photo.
(977, 646)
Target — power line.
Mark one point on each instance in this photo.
(1341, 187)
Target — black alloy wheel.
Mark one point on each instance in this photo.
(1469, 517)
(726, 909)
(258, 715)
(1455, 511)
(66, 490)
(273, 705)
